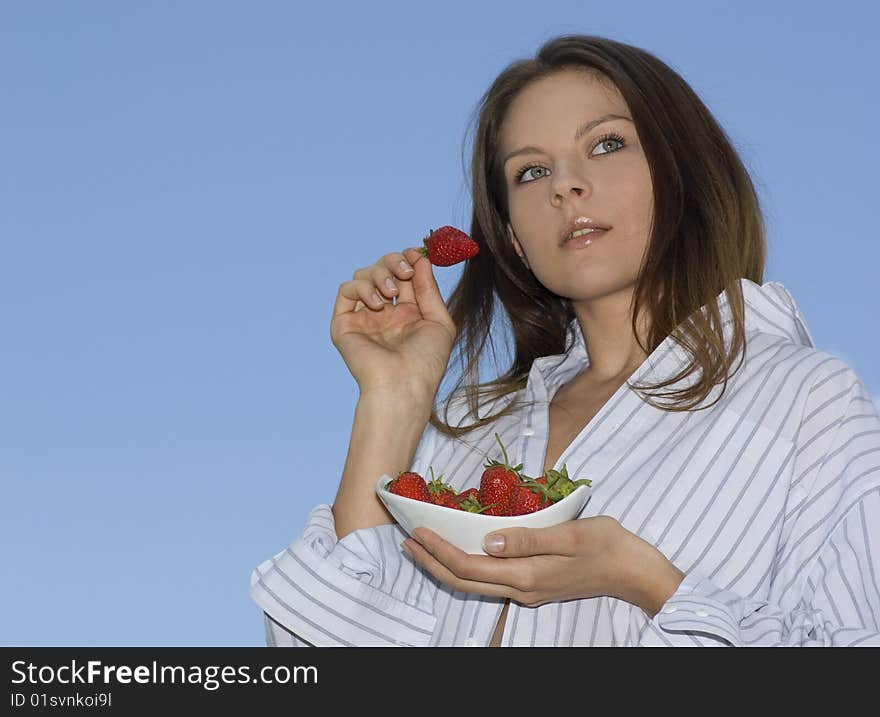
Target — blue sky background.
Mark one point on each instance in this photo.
(184, 185)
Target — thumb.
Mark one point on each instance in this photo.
(512, 542)
(428, 295)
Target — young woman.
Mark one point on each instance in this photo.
(735, 467)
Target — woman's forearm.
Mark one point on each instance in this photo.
(385, 432)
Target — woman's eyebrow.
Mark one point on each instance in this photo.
(581, 131)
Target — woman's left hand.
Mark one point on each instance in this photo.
(581, 558)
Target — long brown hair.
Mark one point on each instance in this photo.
(707, 233)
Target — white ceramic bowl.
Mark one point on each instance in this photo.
(466, 530)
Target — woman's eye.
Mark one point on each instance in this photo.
(525, 170)
(606, 141)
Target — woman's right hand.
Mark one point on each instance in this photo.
(389, 347)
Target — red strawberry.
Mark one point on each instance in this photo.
(409, 485)
(469, 500)
(441, 493)
(529, 496)
(548, 480)
(467, 494)
(523, 499)
(497, 481)
(447, 246)
(446, 499)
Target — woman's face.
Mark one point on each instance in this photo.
(598, 176)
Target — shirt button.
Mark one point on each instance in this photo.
(528, 431)
(470, 642)
(671, 608)
(702, 613)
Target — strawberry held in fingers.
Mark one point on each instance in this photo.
(447, 246)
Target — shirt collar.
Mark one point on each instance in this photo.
(769, 308)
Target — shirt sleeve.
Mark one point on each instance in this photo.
(361, 590)
(279, 636)
(827, 574)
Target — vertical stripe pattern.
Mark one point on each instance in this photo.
(768, 502)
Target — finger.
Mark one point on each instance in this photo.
(465, 566)
(387, 275)
(393, 275)
(344, 301)
(427, 293)
(372, 279)
(384, 281)
(424, 558)
(403, 271)
(526, 542)
(352, 292)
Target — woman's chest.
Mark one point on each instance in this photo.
(709, 490)
(568, 415)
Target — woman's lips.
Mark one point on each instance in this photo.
(584, 240)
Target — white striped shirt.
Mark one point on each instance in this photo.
(768, 502)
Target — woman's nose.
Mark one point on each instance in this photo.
(569, 182)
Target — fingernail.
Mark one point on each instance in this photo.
(405, 267)
(493, 543)
(389, 282)
(376, 298)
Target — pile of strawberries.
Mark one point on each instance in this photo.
(504, 489)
